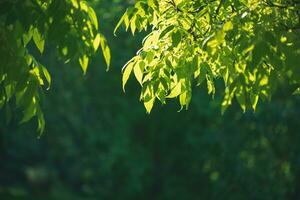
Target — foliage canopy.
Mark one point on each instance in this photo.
(101, 145)
(247, 48)
(253, 46)
(70, 26)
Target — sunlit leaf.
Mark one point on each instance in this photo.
(241, 98)
(45, 74)
(120, 23)
(176, 91)
(38, 40)
(84, 62)
(93, 17)
(228, 26)
(105, 51)
(97, 41)
(138, 71)
(254, 100)
(27, 36)
(149, 105)
(126, 73)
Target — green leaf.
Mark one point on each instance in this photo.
(254, 100)
(149, 105)
(210, 85)
(75, 3)
(228, 26)
(38, 40)
(185, 99)
(133, 24)
(227, 99)
(97, 41)
(41, 121)
(45, 74)
(93, 17)
(129, 11)
(105, 51)
(150, 56)
(152, 3)
(120, 23)
(260, 50)
(126, 73)
(202, 75)
(138, 71)
(241, 98)
(84, 62)
(28, 92)
(27, 36)
(29, 112)
(176, 38)
(176, 91)
(166, 31)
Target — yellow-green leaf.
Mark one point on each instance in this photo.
(175, 91)
(241, 98)
(46, 75)
(38, 40)
(210, 85)
(93, 17)
(254, 100)
(126, 73)
(185, 99)
(84, 62)
(132, 24)
(149, 105)
(27, 36)
(41, 120)
(105, 51)
(120, 23)
(97, 41)
(228, 26)
(138, 71)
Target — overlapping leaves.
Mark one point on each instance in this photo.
(71, 26)
(253, 46)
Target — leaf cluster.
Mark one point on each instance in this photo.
(253, 46)
(26, 27)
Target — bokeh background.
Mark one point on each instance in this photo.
(99, 143)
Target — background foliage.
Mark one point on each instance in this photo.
(97, 145)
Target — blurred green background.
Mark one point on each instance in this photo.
(99, 143)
